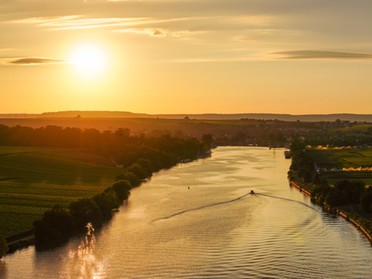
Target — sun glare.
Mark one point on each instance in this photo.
(89, 60)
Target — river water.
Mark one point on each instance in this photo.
(198, 220)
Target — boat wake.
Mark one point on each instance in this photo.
(286, 199)
(201, 207)
(250, 193)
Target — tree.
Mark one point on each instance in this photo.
(297, 147)
(86, 211)
(366, 201)
(61, 220)
(122, 189)
(307, 176)
(137, 170)
(335, 198)
(207, 141)
(46, 235)
(352, 190)
(3, 246)
(146, 165)
(316, 179)
(133, 179)
(56, 226)
(107, 201)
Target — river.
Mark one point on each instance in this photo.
(199, 220)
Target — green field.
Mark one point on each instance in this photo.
(344, 158)
(33, 179)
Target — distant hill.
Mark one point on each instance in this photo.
(17, 115)
(95, 114)
(272, 116)
(206, 116)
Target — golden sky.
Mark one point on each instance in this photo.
(186, 56)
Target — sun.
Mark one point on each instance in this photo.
(89, 60)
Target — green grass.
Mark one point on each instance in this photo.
(340, 158)
(34, 179)
(344, 158)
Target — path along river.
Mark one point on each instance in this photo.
(198, 220)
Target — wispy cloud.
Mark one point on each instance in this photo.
(177, 27)
(79, 22)
(27, 61)
(155, 32)
(248, 58)
(6, 49)
(255, 28)
(161, 32)
(320, 54)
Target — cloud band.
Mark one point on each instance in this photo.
(320, 54)
(34, 61)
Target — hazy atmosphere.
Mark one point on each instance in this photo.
(178, 56)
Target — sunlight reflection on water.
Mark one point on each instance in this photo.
(276, 234)
(82, 262)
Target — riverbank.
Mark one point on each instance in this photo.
(101, 207)
(301, 189)
(338, 211)
(20, 241)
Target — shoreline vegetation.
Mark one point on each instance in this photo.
(136, 157)
(349, 199)
(340, 212)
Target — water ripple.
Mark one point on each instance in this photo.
(275, 234)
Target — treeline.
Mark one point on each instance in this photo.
(139, 156)
(275, 133)
(342, 193)
(125, 148)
